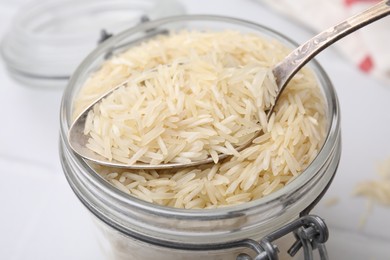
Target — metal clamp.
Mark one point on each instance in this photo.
(149, 33)
(310, 232)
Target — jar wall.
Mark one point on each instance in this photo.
(117, 246)
(117, 234)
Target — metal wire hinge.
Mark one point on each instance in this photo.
(310, 232)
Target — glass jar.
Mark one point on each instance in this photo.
(135, 229)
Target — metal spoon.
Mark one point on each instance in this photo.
(283, 72)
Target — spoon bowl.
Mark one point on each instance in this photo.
(283, 72)
(78, 142)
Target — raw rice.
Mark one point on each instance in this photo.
(222, 72)
(378, 191)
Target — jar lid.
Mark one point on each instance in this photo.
(48, 39)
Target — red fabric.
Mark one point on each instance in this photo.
(366, 64)
(351, 2)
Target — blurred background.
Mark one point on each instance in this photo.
(43, 41)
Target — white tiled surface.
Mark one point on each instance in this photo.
(39, 221)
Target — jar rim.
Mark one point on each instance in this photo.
(306, 176)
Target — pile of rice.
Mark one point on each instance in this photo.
(195, 94)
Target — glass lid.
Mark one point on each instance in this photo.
(48, 39)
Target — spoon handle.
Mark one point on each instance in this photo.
(287, 68)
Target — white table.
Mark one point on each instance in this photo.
(42, 219)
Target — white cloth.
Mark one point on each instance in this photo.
(368, 49)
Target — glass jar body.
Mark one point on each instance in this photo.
(135, 229)
(118, 246)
